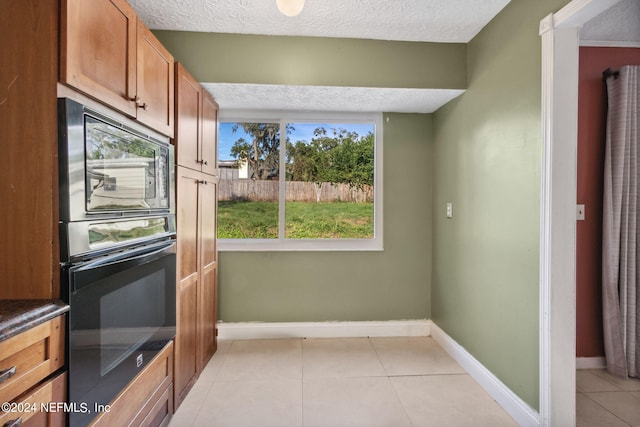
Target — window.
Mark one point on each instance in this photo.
(300, 182)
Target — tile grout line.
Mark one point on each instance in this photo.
(213, 382)
(606, 409)
(395, 390)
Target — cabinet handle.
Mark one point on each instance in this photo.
(13, 423)
(5, 374)
(139, 103)
(205, 162)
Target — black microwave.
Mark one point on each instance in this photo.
(110, 166)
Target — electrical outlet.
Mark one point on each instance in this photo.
(449, 210)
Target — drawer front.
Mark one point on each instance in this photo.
(46, 396)
(161, 412)
(150, 387)
(30, 357)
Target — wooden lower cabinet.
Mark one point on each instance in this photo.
(32, 383)
(30, 408)
(148, 399)
(196, 276)
(32, 355)
(208, 297)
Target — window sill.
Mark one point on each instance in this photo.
(299, 245)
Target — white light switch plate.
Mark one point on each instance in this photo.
(449, 210)
(580, 212)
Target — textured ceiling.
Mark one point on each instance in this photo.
(619, 23)
(323, 98)
(447, 21)
(412, 20)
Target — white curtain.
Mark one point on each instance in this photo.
(621, 225)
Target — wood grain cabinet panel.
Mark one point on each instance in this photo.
(188, 119)
(209, 142)
(208, 297)
(147, 400)
(98, 47)
(188, 183)
(197, 289)
(29, 259)
(196, 120)
(33, 355)
(110, 55)
(196, 124)
(155, 83)
(47, 395)
(28, 362)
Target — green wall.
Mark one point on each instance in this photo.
(475, 275)
(317, 286)
(317, 61)
(487, 155)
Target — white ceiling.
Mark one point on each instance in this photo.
(620, 23)
(446, 21)
(325, 98)
(412, 20)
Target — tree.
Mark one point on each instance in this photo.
(344, 157)
(262, 152)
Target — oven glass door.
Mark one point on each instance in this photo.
(122, 314)
(124, 171)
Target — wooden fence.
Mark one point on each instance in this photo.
(296, 191)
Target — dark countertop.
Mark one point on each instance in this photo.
(17, 316)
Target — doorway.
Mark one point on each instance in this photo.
(560, 44)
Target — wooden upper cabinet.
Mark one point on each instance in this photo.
(209, 143)
(196, 124)
(155, 82)
(98, 50)
(107, 53)
(188, 119)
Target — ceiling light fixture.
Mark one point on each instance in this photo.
(290, 7)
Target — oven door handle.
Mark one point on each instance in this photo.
(92, 271)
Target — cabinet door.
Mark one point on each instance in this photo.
(155, 82)
(187, 282)
(209, 143)
(188, 119)
(98, 50)
(207, 297)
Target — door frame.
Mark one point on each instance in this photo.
(560, 43)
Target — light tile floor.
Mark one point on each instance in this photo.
(603, 400)
(388, 382)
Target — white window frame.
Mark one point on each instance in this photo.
(281, 243)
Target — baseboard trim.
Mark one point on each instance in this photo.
(259, 330)
(591, 362)
(521, 412)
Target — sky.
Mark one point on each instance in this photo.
(302, 132)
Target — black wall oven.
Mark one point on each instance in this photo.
(118, 269)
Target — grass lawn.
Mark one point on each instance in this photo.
(259, 220)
